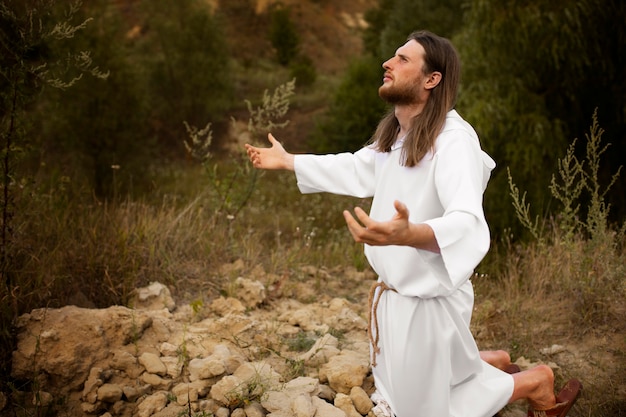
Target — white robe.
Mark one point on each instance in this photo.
(428, 365)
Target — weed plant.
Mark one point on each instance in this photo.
(566, 285)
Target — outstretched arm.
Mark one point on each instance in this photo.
(270, 158)
(397, 231)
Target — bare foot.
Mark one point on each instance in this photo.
(536, 385)
(498, 358)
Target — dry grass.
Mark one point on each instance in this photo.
(541, 298)
(534, 296)
(563, 290)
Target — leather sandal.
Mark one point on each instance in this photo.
(564, 401)
(512, 368)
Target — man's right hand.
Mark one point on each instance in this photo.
(270, 158)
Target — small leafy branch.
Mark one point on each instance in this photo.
(575, 177)
(522, 209)
(273, 108)
(235, 189)
(595, 268)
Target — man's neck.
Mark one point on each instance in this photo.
(405, 114)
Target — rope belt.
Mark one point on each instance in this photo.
(372, 302)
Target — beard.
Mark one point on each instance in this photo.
(405, 94)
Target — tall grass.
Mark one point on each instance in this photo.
(564, 286)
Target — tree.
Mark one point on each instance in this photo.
(443, 17)
(283, 35)
(355, 110)
(98, 128)
(530, 87)
(29, 30)
(188, 67)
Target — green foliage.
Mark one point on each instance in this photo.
(283, 34)
(529, 86)
(251, 390)
(99, 126)
(234, 191)
(188, 66)
(596, 272)
(355, 110)
(27, 32)
(303, 71)
(301, 342)
(443, 17)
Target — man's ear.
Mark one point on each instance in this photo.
(433, 80)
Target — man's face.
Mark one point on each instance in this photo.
(403, 82)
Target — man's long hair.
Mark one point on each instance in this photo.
(440, 55)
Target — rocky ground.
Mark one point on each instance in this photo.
(270, 349)
(246, 356)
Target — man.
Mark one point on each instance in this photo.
(424, 236)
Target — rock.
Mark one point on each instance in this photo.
(171, 410)
(326, 393)
(185, 393)
(342, 317)
(222, 412)
(303, 385)
(89, 408)
(156, 381)
(126, 362)
(238, 412)
(156, 296)
(168, 349)
(276, 401)
(325, 409)
(254, 409)
(152, 404)
(110, 393)
(251, 293)
(323, 349)
(344, 403)
(223, 306)
(362, 402)
(152, 363)
(132, 393)
(65, 334)
(302, 406)
(306, 318)
(134, 363)
(205, 368)
(173, 365)
(227, 390)
(93, 382)
(344, 371)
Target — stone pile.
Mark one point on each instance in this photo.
(234, 357)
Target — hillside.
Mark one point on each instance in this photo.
(329, 30)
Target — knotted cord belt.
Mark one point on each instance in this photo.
(372, 302)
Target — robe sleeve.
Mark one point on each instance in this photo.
(461, 176)
(345, 173)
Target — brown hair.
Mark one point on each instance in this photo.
(441, 56)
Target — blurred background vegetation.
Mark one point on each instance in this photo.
(100, 196)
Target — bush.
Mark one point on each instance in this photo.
(283, 35)
(582, 253)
